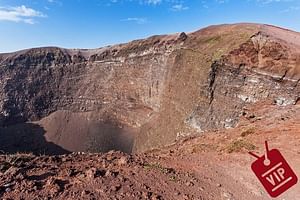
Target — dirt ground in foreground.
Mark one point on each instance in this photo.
(214, 166)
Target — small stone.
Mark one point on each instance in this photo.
(156, 197)
(145, 195)
(145, 186)
(219, 185)
(109, 158)
(190, 183)
(182, 36)
(91, 173)
(111, 173)
(71, 172)
(252, 116)
(81, 176)
(12, 171)
(65, 159)
(50, 181)
(177, 193)
(227, 195)
(122, 179)
(8, 185)
(20, 176)
(116, 187)
(122, 161)
(108, 173)
(54, 191)
(84, 193)
(7, 190)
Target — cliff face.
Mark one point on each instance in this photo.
(147, 93)
(262, 69)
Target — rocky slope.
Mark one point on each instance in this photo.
(214, 166)
(145, 94)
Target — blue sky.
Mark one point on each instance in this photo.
(96, 23)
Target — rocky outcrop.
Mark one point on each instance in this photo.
(261, 69)
(153, 90)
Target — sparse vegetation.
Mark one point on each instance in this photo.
(203, 148)
(248, 131)
(173, 178)
(158, 167)
(240, 144)
(164, 170)
(213, 40)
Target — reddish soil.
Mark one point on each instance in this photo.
(212, 166)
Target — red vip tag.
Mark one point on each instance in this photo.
(273, 172)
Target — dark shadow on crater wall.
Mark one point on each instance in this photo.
(106, 136)
(78, 135)
(27, 138)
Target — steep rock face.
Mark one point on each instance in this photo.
(187, 84)
(109, 90)
(147, 93)
(30, 84)
(263, 68)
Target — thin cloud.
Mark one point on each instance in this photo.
(259, 1)
(153, 2)
(222, 1)
(57, 2)
(273, 1)
(137, 20)
(179, 7)
(20, 14)
(148, 2)
(291, 9)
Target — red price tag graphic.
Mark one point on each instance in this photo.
(273, 172)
